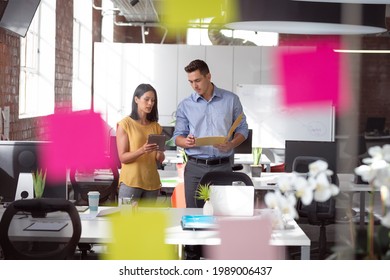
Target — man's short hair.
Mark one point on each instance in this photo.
(197, 64)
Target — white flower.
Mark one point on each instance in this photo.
(295, 185)
(318, 167)
(285, 183)
(271, 199)
(323, 189)
(366, 172)
(385, 195)
(303, 190)
(385, 221)
(376, 171)
(284, 203)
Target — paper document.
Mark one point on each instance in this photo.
(46, 226)
(210, 140)
(213, 140)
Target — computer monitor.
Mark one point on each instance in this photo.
(246, 146)
(16, 15)
(375, 124)
(168, 132)
(24, 157)
(323, 149)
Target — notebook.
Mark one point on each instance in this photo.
(232, 200)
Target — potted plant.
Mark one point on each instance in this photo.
(256, 167)
(39, 180)
(203, 193)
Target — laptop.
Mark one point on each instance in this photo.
(232, 200)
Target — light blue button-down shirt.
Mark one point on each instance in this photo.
(199, 117)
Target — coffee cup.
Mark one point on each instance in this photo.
(93, 200)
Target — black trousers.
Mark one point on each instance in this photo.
(193, 172)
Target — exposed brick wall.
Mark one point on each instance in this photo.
(64, 56)
(375, 81)
(33, 128)
(9, 86)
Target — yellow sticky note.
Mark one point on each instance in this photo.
(139, 236)
(179, 13)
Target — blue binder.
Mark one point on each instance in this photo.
(198, 222)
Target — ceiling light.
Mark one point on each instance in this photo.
(301, 17)
(363, 51)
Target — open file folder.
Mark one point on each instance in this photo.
(198, 222)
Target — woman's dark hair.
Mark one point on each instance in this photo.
(197, 65)
(139, 91)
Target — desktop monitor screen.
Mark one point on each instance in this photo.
(23, 157)
(326, 150)
(168, 132)
(246, 146)
(375, 124)
(17, 15)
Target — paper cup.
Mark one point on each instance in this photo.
(93, 201)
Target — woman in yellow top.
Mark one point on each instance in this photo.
(139, 178)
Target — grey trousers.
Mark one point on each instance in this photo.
(193, 172)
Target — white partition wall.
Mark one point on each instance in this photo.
(185, 55)
(120, 67)
(247, 65)
(220, 62)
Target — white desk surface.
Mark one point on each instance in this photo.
(172, 157)
(170, 178)
(97, 230)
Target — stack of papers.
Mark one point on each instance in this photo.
(46, 226)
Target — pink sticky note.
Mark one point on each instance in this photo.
(77, 140)
(313, 75)
(244, 239)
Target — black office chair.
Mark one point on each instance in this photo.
(222, 178)
(108, 193)
(317, 213)
(39, 249)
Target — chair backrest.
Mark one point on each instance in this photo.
(223, 178)
(178, 199)
(47, 249)
(316, 212)
(107, 193)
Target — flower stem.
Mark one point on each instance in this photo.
(370, 229)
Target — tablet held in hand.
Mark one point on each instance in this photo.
(158, 139)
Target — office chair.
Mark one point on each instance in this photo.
(222, 178)
(108, 193)
(42, 249)
(317, 213)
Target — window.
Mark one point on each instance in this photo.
(82, 55)
(37, 64)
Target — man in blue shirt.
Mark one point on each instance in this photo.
(209, 111)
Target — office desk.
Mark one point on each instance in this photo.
(172, 157)
(348, 186)
(97, 230)
(247, 160)
(102, 180)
